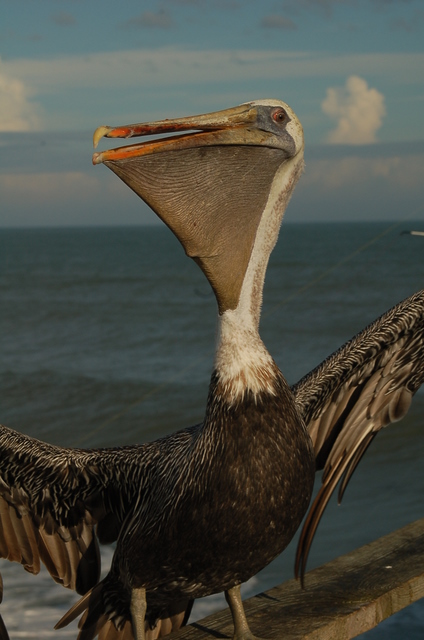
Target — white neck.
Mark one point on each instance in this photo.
(242, 360)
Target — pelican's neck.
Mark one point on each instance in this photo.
(242, 361)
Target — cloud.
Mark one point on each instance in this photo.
(17, 112)
(68, 198)
(411, 25)
(38, 188)
(325, 7)
(277, 22)
(227, 4)
(358, 110)
(339, 174)
(385, 3)
(63, 19)
(340, 187)
(161, 19)
(170, 66)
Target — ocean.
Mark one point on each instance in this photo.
(107, 338)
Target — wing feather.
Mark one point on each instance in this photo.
(363, 387)
(46, 493)
(13, 550)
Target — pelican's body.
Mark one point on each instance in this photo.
(203, 510)
(209, 481)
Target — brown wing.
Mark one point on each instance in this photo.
(364, 386)
(51, 499)
(56, 503)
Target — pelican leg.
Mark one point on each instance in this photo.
(241, 628)
(138, 613)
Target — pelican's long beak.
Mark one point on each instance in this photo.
(208, 129)
(211, 184)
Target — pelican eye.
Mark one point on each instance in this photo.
(279, 116)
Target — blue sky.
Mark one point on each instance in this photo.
(353, 70)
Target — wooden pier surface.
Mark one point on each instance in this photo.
(342, 599)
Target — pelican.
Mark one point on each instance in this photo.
(204, 509)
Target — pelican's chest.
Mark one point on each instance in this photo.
(257, 482)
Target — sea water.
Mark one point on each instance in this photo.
(107, 338)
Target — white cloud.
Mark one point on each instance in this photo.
(399, 172)
(17, 112)
(359, 112)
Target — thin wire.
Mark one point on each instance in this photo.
(283, 302)
(348, 258)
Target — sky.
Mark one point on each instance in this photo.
(353, 71)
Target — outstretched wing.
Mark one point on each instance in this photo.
(364, 386)
(51, 498)
(56, 503)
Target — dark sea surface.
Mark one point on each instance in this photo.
(107, 338)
